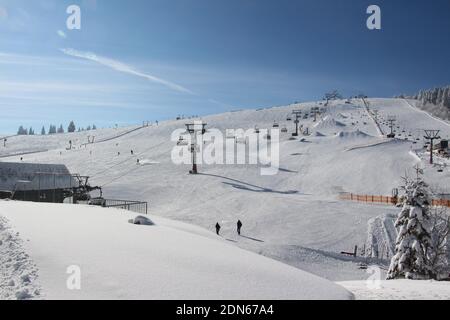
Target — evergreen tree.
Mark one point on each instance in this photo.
(71, 127)
(52, 129)
(416, 256)
(61, 129)
(43, 131)
(94, 127)
(22, 131)
(31, 132)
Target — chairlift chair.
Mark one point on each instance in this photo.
(276, 125)
(182, 142)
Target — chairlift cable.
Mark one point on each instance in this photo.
(120, 177)
(124, 161)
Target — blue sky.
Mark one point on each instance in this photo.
(155, 59)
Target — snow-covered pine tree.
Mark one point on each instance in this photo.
(43, 131)
(414, 251)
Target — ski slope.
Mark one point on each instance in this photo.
(294, 216)
(21, 146)
(119, 260)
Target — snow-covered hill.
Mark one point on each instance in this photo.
(120, 260)
(435, 101)
(294, 216)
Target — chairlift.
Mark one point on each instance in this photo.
(276, 125)
(289, 119)
(256, 129)
(284, 130)
(182, 142)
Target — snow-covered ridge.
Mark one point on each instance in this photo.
(436, 101)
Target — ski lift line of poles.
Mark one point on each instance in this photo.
(126, 160)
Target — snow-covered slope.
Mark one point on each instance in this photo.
(23, 145)
(294, 216)
(120, 260)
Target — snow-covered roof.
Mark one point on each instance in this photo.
(34, 176)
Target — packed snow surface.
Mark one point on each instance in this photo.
(399, 290)
(119, 260)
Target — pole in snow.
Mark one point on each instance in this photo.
(391, 120)
(432, 135)
(297, 114)
(194, 129)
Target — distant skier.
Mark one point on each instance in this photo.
(137, 161)
(239, 226)
(132, 152)
(218, 228)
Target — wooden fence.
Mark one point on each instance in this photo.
(441, 203)
(385, 199)
(368, 198)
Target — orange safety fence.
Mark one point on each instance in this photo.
(385, 199)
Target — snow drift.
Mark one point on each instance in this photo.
(169, 260)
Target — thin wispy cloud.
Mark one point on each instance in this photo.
(122, 67)
(62, 34)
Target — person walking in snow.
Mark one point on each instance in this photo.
(239, 226)
(218, 228)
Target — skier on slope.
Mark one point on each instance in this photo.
(218, 228)
(239, 226)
